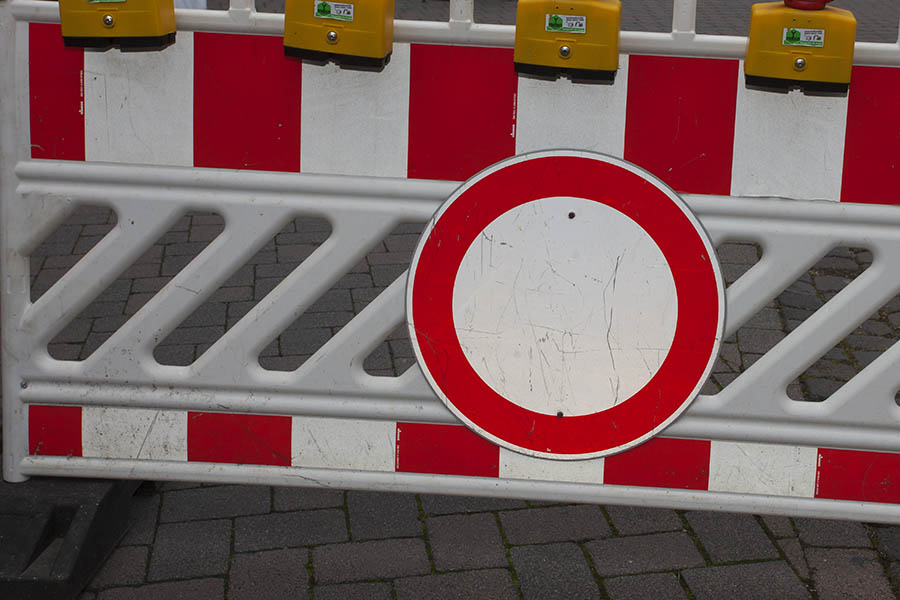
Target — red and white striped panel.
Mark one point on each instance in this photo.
(445, 112)
(316, 442)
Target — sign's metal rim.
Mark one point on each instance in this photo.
(588, 422)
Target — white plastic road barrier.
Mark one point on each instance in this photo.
(225, 123)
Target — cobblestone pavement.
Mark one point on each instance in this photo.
(226, 541)
(192, 541)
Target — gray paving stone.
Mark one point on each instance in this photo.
(297, 498)
(313, 238)
(373, 590)
(758, 340)
(194, 335)
(554, 571)
(175, 355)
(741, 254)
(746, 582)
(65, 351)
(848, 573)
(466, 542)
(274, 574)
(322, 319)
(767, 318)
(333, 301)
(381, 559)
(354, 280)
(75, 331)
(832, 369)
(190, 550)
(819, 389)
(869, 342)
(555, 524)
(215, 502)
(808, 301)
(634, 520)
(232, 294)
(195, 589)
(793, 551)
(641, 554)
(305, 341)
(495, 584)
(384, 275)
(375, 515)
(443, 505)
(125, 566)
(104, 309)
(894, 574)
(729, 537)
(780, 527)
(889, 541)
(641, 587)
(822, 532)
(243, 276)
(289, 529)
(208, 313)
(379, 359)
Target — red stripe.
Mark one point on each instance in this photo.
(246, 103)
(872, 145)
(661, 462)
(241, 439)
(56, 92)
(54, 430)
(445, 450)
(679, 122)
(858, 475)
(461, 110)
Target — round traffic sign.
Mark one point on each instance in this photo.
(565, 304)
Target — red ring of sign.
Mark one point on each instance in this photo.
(470, 210)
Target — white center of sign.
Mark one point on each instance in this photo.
(565, 305)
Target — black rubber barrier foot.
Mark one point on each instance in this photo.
(574, 75)
(811, 88)
(55, 534)
(126, 44)
(360, 63)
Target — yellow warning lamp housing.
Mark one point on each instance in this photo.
(356, 33)
(578, 37)
(129, 24)
(800, 43)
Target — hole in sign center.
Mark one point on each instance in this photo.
(565, 306)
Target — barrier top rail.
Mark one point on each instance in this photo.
(461, 29)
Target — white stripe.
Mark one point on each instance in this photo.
(356, 122)
(562, 114)
(789, 145)
(519, 466)
(343, 444)
(139, 106)
(762, 469)
(134, 433)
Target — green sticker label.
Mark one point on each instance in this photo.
(565, 24)
(339, 11)
(794, 36)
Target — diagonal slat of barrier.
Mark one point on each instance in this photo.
(770, 375)
(237, 350)
(130, 238)
(784, 259)
(246, 232)
(346, 351)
